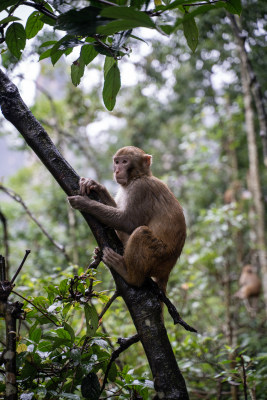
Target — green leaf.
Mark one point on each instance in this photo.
(62, 47)
(233, 6)
(191, 33)
(175, 4)
(35, 334)
(62, 333)
(44, 55)
(33, 25)
(88, 53)
(63, 286)
(48, 43)
(56, 56)
(138, 38)
(77, 71)
(28, 371)
(69, 329)
(117, 26)
(91, 319)
(109, 62)
(198, 11)
(6, 3)
(48, 20)
(80, 22)
(106, 51)
(112, 374)
(9, 19)
(90, 387)
(167, 29)
(140, 18)
(16, 39)
(66, 309)
(45, 346)
(111, 87)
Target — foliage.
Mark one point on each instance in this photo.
(64, 352)
(102, 28)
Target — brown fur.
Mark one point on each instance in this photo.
(250, 284)
(146, 215)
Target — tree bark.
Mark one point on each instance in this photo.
(253, 83)
(254, 176)
(143, 304)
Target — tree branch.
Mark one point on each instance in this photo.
(5, 242)
(40, 8)
(124, 345)
(18, 199)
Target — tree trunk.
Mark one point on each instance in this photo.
(254, 177)
(252, 82)
(143, 304)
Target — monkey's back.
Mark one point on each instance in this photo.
(167, 220)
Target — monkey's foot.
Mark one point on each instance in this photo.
(113, 259)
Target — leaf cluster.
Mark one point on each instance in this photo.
(102, 28)
(64, 354)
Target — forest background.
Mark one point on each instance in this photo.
(191, 112)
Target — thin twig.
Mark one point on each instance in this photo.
(37, 308)
(201, 4)
(27, 252)
(5, 242)
(244, 377)
(19, 200)
(115, 295)
(124, 345)
(40, 8)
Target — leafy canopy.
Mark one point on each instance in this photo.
(102, 27)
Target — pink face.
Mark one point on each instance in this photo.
(120, 167)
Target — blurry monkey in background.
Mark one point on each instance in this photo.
(250, 287)
(146, 215)
(233, 193)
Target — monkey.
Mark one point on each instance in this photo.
(250, 287)
(147, 217)
(233, 193)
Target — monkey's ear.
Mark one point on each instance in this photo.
(148, 159)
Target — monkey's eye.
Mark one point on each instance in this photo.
(116, 161)
(124, 161)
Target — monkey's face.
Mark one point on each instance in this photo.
(121, 167)
(130, 163)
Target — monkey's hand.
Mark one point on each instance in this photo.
(81, 203)
(87, 185)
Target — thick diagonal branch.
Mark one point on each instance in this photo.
(142, 303)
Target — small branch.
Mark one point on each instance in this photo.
(37, 308)
(40, 8)
(21, 265)
(97, 259)
(153, 13)
(105, 46)
(202, 4)
(124, 345)
(244, 376)
(115, 295)
(108, 3)
(11, 392)
(2, 269)
(177, 319)
(19, 200)
(5, 242)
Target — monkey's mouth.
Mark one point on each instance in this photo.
(121, 181)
